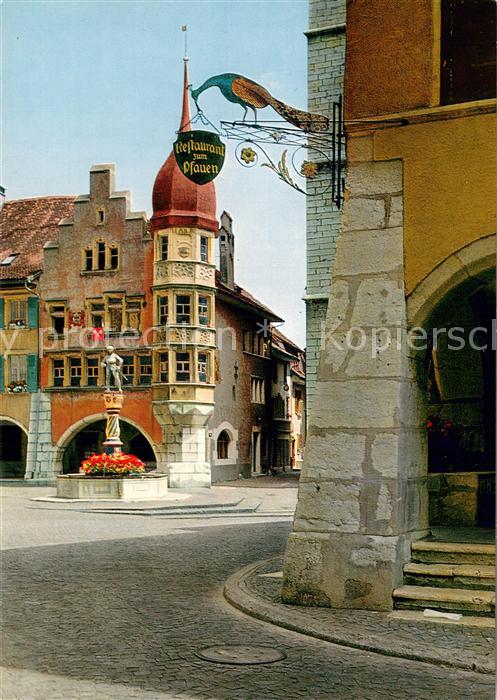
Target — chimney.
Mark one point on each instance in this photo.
(227, 251)
(102, 181)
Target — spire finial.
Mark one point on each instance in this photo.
(184, 28)
(185, 114)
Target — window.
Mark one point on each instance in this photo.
(182, 367)
(133, 315)
(18, 369)
(58, 372)
(298, 402)
(100, 216)
(92, 369)
(58, 318)
(88, 259)
(204, 248)
(115, 310)
(97, 312)
(9, 259)
(183, 308)
(18, 310)
(164, 244)
(203, 367)
(144, 369)
(467, 61)
(114, 257)
(246, 341)
(163, 367)
(101, 256)
(253, 342)
(223, 442)
(163, 310)
(128, 369)
(203, 311)
(75, 371)
(257, 390)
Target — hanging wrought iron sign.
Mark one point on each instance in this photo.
(199, 155)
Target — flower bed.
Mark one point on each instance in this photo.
(116, 465)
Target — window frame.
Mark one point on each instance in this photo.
(204, 317)
(163, 253)
(206, 364)
(58, 372)
(188, 305)
(21, 321)
(186, 361)
(204, 249)
(224, 444)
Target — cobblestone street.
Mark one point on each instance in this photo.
(100, 605)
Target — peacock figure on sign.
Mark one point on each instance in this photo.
(249, 94)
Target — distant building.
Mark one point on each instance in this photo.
(200, 353)
(26, 225)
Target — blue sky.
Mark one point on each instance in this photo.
(96, 82)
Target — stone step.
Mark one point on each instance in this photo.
(436, 552)
(450, 575)
(455, 600)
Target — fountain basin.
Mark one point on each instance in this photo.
(141, 487)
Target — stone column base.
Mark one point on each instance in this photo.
(344, 570)
(187, 475)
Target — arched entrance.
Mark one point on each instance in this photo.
(90, 437)
(456, 375)
(13, 450)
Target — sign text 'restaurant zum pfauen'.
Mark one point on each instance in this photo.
(199, 155)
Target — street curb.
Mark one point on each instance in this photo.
(238, 594)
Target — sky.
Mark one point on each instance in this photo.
(89, 82)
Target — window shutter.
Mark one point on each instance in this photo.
(2, 311)
(33, 306)
(32, 373)
(2, 382)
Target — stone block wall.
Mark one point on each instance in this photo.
(326, 61)
(362, 494)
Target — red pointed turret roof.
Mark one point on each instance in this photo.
(176, 200)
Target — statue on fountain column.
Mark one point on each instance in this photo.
(113, 369)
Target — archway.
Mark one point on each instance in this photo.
(89, 438)
(456, 378)
(13, 450)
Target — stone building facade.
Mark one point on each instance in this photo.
(326, 62)
(400, 437)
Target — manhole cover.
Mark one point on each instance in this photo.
(241, 654)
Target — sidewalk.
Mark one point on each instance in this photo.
(470, 646)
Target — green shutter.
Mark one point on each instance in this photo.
(33, 306)
(2, 307)
(33, 373)
(2, 384)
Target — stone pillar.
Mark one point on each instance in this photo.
(41, 453)
(185, 442)
(362, 494)
(113, 404)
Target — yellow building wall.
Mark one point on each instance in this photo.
(16, 407)
(449, 186)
